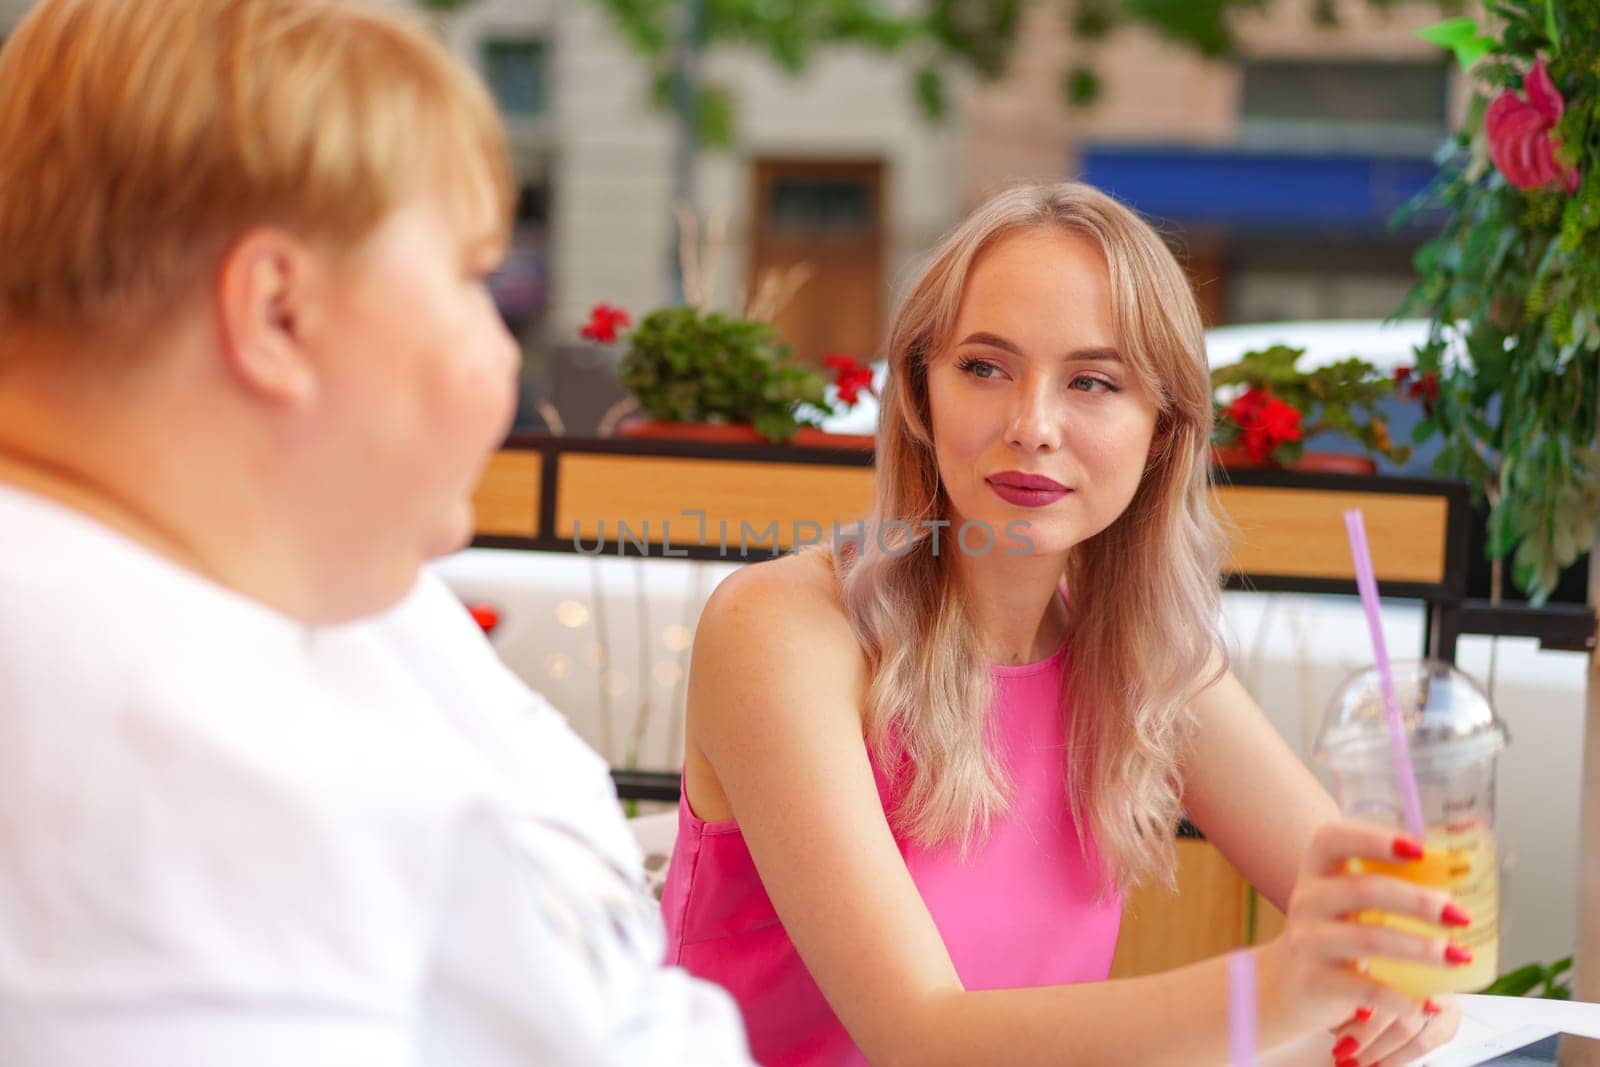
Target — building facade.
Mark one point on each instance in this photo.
(1275, 173)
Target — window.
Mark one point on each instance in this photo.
(834, 207)
(518, 73)
(1354, 105)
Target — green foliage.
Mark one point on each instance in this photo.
(685, 365)
(1549, 981)
(1512, 285)
(943, 36)
(977, 34)
(1201, 24)
(1081, 86)
(1461, 36)
(930, 91)
(1340, 398)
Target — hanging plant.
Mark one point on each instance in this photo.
(1512, 283)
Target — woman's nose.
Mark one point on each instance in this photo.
(1036, 422)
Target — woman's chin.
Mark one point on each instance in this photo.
(453, 532)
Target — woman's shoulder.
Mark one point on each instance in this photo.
(775, 669)
(782, 619)
(798, 593)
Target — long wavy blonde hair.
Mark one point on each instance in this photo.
(1143, 593)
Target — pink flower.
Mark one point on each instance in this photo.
(604, 321)
(1520, 134)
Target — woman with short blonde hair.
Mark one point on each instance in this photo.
(267, 797)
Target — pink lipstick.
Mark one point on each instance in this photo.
(1026, 490)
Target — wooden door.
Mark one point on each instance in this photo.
(827, 216)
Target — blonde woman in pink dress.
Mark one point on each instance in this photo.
(925, 763)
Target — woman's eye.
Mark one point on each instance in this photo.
(1088, 383)
(979, 368)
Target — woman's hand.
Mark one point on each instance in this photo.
(1310, 976)
(1376, 1040)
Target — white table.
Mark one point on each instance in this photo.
(1489, 1026)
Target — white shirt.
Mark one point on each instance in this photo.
(230, 838)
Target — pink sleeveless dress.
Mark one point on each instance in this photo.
(1023, 911)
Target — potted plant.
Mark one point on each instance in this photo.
(702, 375)
(1268, 407)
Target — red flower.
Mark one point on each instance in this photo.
(1243, 410)
(1413, 386)
(487, 616)
(604, 321)
(1520, 134)
(1280, 421)
(1426, 388)
(850, 376)
(1264, 421)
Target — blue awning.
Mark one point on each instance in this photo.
(1251, 191)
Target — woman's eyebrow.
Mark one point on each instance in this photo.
(994, 340)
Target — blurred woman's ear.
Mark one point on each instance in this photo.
(267, 302)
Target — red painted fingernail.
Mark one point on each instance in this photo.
(1346, 1045)
(1457, 953)
(1430, 1008)
(1363, 1014)
(1407, 849)
(1454, 916)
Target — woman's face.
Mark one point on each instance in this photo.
(419, 387)
(1036, 417)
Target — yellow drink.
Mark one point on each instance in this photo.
(1460, 859)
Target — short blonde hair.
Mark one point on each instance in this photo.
(138, 138)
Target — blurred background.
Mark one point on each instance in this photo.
(1271, 140)
(819, 147)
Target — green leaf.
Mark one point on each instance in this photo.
(1289, 453)
(1200, 24)
(1081, 86)
(1515, 983)
(1503, 531)
(714, 117)
(1461, 36)
(1551, 30)
(1093, 19)
(930, 92)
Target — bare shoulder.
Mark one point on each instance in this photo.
(778, 618)
(797, 592)
(774, 657)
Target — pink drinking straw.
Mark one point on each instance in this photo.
(1241, 1009)
(1403, 771)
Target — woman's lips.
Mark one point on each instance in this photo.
(1026, 490)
